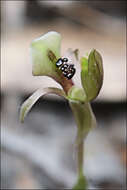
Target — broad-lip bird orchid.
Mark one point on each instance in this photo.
(45, 51)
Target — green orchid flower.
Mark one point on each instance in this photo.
(45, 52)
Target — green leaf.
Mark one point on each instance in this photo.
(81, 183)
(27, 105)
(92, 74)
(84, 118)
(45, 51)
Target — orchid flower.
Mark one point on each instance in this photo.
(45, 52)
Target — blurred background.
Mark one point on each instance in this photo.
(40, 153)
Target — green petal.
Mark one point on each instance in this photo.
(27, 105)
(41, 49)
(92, 74)
(72, 55)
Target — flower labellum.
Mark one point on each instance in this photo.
(45, 51)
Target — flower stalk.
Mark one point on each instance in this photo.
(85, 121)
(81, 181)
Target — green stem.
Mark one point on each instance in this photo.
(85, 120)
(80, 153)
(81, 181)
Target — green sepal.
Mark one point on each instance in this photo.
(92, 74)
(28, 104)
